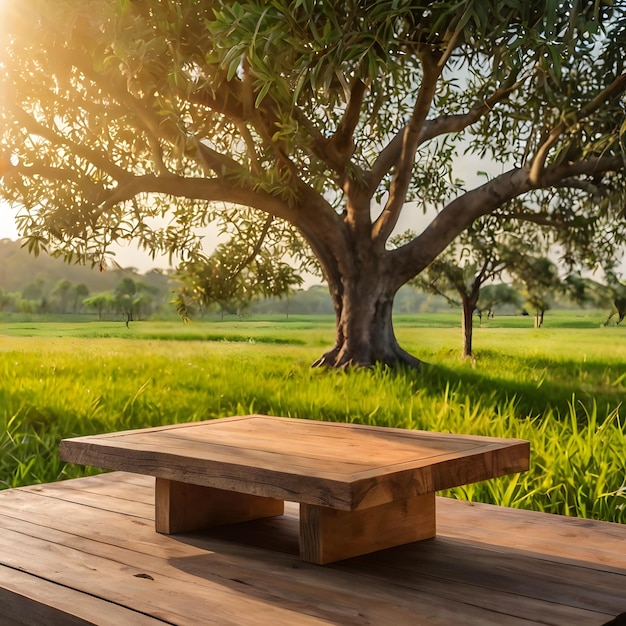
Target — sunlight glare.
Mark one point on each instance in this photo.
(8, 229)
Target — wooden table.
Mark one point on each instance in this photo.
(360, 488)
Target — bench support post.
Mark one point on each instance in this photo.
(183, 507)
(328, 535)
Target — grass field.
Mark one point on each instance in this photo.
(561, 387)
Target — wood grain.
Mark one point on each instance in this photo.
(27, 600)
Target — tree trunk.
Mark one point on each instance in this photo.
(539, 318)
(364, 330)
(469, 302)
(467, 326)
(363, 278)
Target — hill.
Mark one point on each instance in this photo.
(18, 268)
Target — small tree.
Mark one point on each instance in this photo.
(539, 280)
(238, 272)
(7, 299)
(478, 256)
(617, 291)
(34, 290)
(221, 281)
(611, 294)
(81, 291)
(61, 293)
(130, 297)
(493, 296)
(103, 303)
(205, 283)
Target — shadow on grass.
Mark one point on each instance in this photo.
(226, 337)
(181, 336)
(545, 385)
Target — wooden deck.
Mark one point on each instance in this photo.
(85, 551)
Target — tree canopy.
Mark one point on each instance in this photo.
(235, 275)
(132, 119)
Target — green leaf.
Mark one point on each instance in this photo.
(262, 93)
(233, 67)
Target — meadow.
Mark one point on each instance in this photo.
(561, 387)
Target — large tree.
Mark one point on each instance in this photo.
(334, 117)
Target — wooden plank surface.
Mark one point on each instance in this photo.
(40, 601)
(344, 466)
(69, 556)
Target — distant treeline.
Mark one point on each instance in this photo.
(45, 285)
(316, 301)
(42, 284)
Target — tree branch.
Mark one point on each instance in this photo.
(155, 127)
(157, 155)
(256, 248)
(455, 218)
(431, 285)
(225, 100)
(439, 126)
(539, 219)
(456, 123)
(410, 141)
(490, 269)
(98, 159)
(342, 142)
(482, 274)
(215, 161)
(234, 102)
(538, 166)
(255, 167)
(483, 200)
(211, 190)
(52, 173)
(556, 175)
(576, 183)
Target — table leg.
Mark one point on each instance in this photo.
(328, 535)
(182, 507)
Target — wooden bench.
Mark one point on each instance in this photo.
(360, 488)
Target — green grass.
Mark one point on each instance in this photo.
(279, 331)
(559, 387)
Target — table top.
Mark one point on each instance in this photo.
(344, 466)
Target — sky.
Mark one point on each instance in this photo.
(7, 225)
